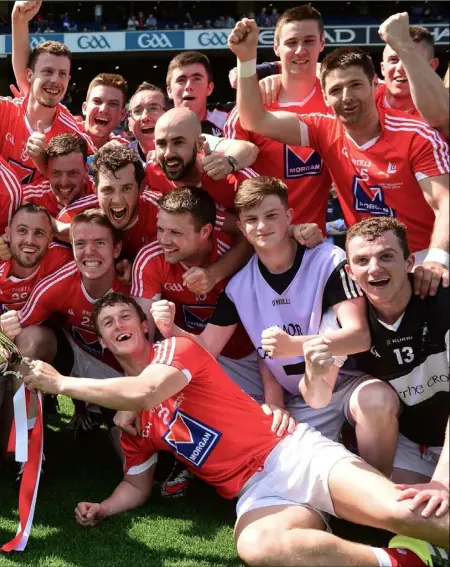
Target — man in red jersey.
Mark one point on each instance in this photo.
(47, 74)
(178, 149)
(67, 181)
(409, 69)
(299, 39)
(10, 194)
(189, 407)
(382, 162)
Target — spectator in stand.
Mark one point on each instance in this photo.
(188, 22)
(132, 23)
(273, 18)
(104, 27)
(167, 27)
(230, 22)
(67, 24)
(98, 14)
(263, 18)
(208, 25)
(220, 23)
(198, 26)
(151, 22)
(141, 21)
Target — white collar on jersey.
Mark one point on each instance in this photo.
(394, 326)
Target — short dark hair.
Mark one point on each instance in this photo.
(298, 14)
(110, 300)
(112, 158)
(344, 57)
(50, 47)
(98, 217)
(65, 144)
(253, 191)
(374, 227)
(32, 209)
(145, 86)
(420, 34)
(190, 200)
(189, 58)
(109, 80)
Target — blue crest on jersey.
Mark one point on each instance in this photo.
(191, 438)
(87, 340)
(301, 162)
(374, 205)
(196, 316)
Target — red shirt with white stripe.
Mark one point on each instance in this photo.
(221, 191)
(64, 293)
(15, 130)
(42, 194)
(153, 276)
(142, 231)
(10, 194)
(381, 101)
(382, 177)
(14, 292)
(302, 169)
(211, 425)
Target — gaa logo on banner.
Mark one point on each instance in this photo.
(207, 39)
(155, 41)
(35, 40)
(94, 42)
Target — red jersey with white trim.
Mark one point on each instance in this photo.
(116, 137)
(382, 177)
(134, 237)
(42, 194)
(381, 101)
(221, 191)
(15, 131)
(211, 425)
(152, 275)
(14, 292)
(10, 194)
(302, 169)
(64, 293)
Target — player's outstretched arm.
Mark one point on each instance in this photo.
(354, 334)
(428, 93)
(281, 126)
(133, 491)
(22, 14)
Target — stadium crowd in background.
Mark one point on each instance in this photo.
(173, 278)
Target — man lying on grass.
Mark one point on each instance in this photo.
(189, 406)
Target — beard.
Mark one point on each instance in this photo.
(185, 171)
(25, 262)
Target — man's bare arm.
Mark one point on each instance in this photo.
(244, 152)
(22, 14)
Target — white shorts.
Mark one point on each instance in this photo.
(413, 457)
(87, 366)
(296, 473)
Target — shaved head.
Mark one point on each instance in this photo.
(176, 143)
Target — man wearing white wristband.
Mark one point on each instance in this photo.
(382, 161)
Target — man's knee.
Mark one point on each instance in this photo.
(37, 342)
(374, 400)
(254, 547)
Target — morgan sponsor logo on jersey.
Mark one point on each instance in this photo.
(301, 162)
(24, 173)
(191, 438)
(196, 317)
(373, 204)
(87, 340)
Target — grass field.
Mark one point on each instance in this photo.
(192, 532)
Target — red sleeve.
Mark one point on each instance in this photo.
(315, 130)
(57, 256)
(184, 354)
(10, 195)
(148, 272)
(139, 452)
(233, 128)
(428, 152)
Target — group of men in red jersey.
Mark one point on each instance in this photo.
(171, 213)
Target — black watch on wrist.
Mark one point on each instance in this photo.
(233, 162)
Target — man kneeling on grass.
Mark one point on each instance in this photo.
(189, 406)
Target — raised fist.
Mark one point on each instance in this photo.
(243, 40)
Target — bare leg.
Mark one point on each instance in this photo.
(402, 476)
(363, 495)
(373, 409)
(293, 536)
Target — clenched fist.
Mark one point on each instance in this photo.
(25, 11)
(163, 313)
(89, 513)
(279, 344)
(318, 357)
(243, 40)
(395, 30)
(198, 280)
(10, 324)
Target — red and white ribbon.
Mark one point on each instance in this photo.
(29, 452)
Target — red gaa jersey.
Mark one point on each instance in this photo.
(10, 194)
(14, 292)
(42, 194)
(381, 178)
(142, 231)
(64, 293)
(302, 169)
(381, 100)
(211, 425)
(81, 125)
(15, 131)
(153, 276)
(221, 191)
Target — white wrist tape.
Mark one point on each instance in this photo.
(246, 69)
(437, 255)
